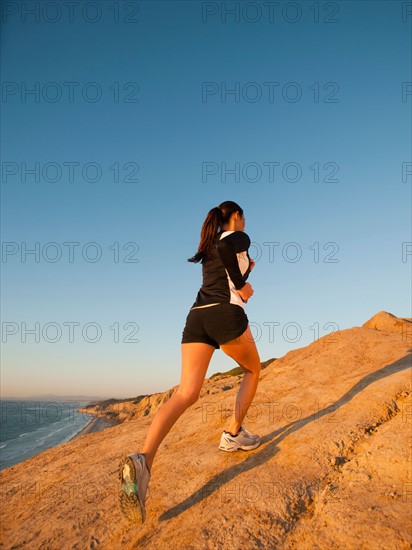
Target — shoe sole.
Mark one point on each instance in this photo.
(130, 504)
(236, 447)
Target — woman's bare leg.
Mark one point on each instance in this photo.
(243, 350)
(195, 361)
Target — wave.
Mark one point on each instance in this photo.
(22, 447)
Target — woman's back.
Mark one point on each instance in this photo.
(225, 270)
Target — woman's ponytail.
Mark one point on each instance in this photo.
(215, 219)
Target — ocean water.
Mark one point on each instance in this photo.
(29, 427)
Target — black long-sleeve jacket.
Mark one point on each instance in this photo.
(225, 271)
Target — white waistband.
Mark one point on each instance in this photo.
(208, 305)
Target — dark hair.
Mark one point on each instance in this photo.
(215, 219)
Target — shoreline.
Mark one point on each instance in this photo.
(96, 424)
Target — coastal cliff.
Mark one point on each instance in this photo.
(125, 410)
(333, 469)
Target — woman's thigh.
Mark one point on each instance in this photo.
(196, 357)
(243, 350)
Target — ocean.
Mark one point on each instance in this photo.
(29, 427)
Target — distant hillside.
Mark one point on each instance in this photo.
(121, 410)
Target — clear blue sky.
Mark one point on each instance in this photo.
(178, 138)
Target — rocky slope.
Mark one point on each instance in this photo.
(333, 469)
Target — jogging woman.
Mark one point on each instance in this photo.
(216, 320)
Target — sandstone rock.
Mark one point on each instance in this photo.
(390, 323)
(333, 469)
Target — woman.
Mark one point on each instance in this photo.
(216, 320)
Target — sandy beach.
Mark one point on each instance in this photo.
(95, 425)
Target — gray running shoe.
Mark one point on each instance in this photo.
(134, 477)
(244, 440)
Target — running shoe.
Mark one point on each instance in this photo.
(244, 440)
(134, 475)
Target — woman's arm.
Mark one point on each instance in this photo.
(227, 253)
(228, 247)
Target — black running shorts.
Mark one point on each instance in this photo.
(215, 325)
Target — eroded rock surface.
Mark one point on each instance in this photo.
(333, 469)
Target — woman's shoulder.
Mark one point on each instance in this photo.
(236, 234)
(239, 238)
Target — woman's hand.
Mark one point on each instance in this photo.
(246, 292)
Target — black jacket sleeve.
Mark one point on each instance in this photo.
(247, 273)
(238, 241)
